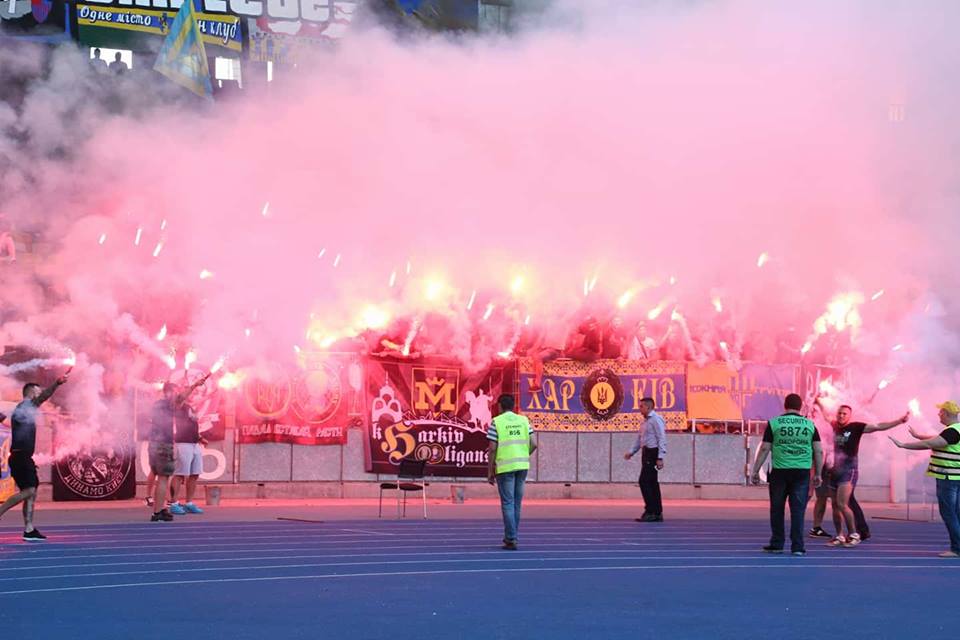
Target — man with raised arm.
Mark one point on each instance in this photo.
(945, 467)
(23, 427)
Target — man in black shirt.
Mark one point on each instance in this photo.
(23, 424)
(163, 420)
(843, 478)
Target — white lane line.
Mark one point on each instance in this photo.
(651, 547)
(511, 559)
(745, 552)
(664, 554)
(180, 540)
(800, 564)
(371, 533)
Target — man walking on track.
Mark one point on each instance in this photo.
(652, 439)
(511, 444)
(795, 445)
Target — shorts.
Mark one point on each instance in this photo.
(189, 459)
(845, 472)
(823, 491)
(23, 470)
(161, 458)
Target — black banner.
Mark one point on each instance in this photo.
(434, 411)
(100, 475)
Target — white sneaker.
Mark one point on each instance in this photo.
(853, 540)
(839, 541)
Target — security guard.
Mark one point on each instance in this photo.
(945, 467)
(795, 444)
(511, 444)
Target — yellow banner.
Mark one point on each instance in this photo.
(7, 486)
(712, 393)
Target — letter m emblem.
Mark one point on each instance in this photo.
(435, 390)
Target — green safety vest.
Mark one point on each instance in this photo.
(792, 441)
(945, 463)
(513, 442)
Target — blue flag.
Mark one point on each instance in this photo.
(182, 57)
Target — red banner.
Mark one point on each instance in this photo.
(312, 405)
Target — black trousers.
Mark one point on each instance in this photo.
(650, 482)
(792, 485)
(862, 527)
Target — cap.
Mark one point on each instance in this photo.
(949, 406)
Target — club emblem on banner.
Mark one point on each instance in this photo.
(317, 394)
(268, 395)
(100, 475)
(41, 9)
(602, 394)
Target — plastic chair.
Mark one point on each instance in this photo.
(411, 470)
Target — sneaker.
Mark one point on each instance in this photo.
(161, 516)
(853, 540)
(948, 554)
(864, 536)
(839, 541)
(510, 546)
(801, 552)
(34, 535)
(818, 532)
(650, 517)
(149, 501)
(771, 549)
(177, 509)
(192, 508)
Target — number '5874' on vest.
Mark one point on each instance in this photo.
(513, 442)
(945, 462)
(792, 446)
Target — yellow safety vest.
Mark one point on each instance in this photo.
(945, 463)
(513, 442)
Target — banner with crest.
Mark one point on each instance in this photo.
(313, 404)
(431, 410)
(603, 395)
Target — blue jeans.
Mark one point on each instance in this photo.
(792, 485)
(948, 495)
(510, 485)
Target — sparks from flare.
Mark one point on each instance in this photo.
(205, 274)
(218, 364)
(136, 240)
(877, 295)
(762, 259)
(163, 224)
(230, 380)
(156, 251)
(189, 358)
(393, 277)
(516, 285)
(336, 261)
(625, 298)
(473, 297)
(266, 209)
(489, 311)
(322, 251)
(162, 333)
(717, 304)
(914, 406)
(103, 238)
